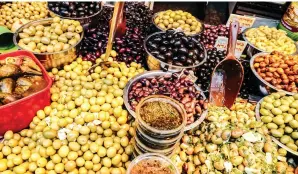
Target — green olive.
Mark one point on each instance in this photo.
(72, 42)
(294, 135)
(293, 124)
(292, 146)
(288, 130)
(71, 28)
(268, 99)
(45, 40)
(50, 48)
(27, 40)
(276, 133)
(266, 119)
(278, 120)
(285, 139)
(264, 112)
(288, 118)
(79, 29)
(269, 106)
(236, 160)
(272, 126)
(62, 39)
(276, 103)
(23, 35)
(276, 111)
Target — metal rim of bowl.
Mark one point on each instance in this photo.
(258, 117)
(16, 34)
(156, 14)
(171, 65)
(75, 18)
(264, 51)
(260, 78)
(157, 73)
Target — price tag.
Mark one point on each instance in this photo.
(244, 21)
(222, 44)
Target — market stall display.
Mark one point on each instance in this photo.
(178, 19)
(118, 119)
(22, 11)
(279, 113)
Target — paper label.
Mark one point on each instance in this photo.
(244, 21)
(222, 44)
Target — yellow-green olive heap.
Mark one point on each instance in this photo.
(279, 113)
(84, 130)
(178, 19)
(59, 35)
(230, 141)
(15, 11)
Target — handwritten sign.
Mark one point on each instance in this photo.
(244, 21)
(222, 44)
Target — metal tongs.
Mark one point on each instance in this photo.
(227, 77)
(117, 28)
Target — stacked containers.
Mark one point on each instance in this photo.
(152, 140)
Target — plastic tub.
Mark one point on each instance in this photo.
(156, 133)
(17, 115)
(142, 148)
(166, 161)
(156, 143)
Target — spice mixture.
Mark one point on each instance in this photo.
(151, 166)
(161, 115)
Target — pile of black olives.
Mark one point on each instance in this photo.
(176, 48)
(210, 34)
(130, 46)
(248, 85)
(204, 71)
(74, 9)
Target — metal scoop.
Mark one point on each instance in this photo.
(117, 28)
(227, 76)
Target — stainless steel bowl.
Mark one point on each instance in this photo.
(154, 63)
(160, 29)
(264, 87)
(258, 117)
(55, 59)
(83, 20)
(252, 50)
(149, 74)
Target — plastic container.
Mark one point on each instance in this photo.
(153, 156)
(156, 143)
(17, 115)
(156, 133)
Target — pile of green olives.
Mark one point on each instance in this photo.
(60, 35)
(14, 11)
(178, 19)
(279, 113)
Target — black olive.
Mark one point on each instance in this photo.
(65, 4)
(168, 54)
(163, 36)
(165, 42)
(177, 43)
(80, 9)
(157, 39)
(170, 31)
(179, 34)
(161, 57)
(91, 12)
(74, 13)
(71, 7)
(172, 41)
(175, 58)
(162, 49)
(175, 50)
(182, 51)
(190, 45)
(92, 5)
(189, 62)
(184, 40)
(196, 51)
(153, 46)
(82, 13)
(182, 58)
(170, 36)
(155, 53)
(65, 13)
(190, 54)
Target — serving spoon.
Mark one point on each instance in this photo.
(227, 77)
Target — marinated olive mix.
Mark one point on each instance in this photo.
(74, 9)
(13, 12)
(204, 71)
(60, 35)
(209, 35)
(176, 48)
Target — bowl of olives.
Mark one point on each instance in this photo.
(54, 41)
(178, 19)
(84, 12)
(173, 51)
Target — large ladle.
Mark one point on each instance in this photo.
(117, 28)
(227, 76)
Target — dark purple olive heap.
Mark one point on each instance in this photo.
(129, 47)
(181, 89)
(176, 48)
(248, 86)
(210, 34)
(204, 72)
(74, 9)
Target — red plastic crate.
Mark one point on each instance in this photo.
(17, 115)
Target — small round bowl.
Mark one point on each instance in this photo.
(264, 87)
(252, 50)
(153, 156)
(54, 59)
(83, 20)
(149, 74)
(258, 117)
(154, 63)
(160, 29)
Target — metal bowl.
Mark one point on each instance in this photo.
(258, 117)
(83, 20)
(55, 59)
(156, 64)
(156, 74)
(252, 50)
(160, 29)
(264, 87)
